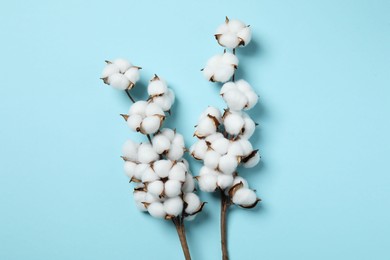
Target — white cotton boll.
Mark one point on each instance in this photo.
(172, 188)
(149, 175)
(230, 58)
(162, 167)
(235, 100)
(138, 108)
(150, 124)
(224, 181)
(139, 197)
(212, 111)
(173, 206)
(239, 179)
(178, 172)
(245, 34)
(227, 87)
(244, 197)
(163, 101)
(134, 122)
(178, 140)
(130, 150)
(229, 40)
(220, 145)
(129, 168)
(235, 149)
(169, 133)
(193, 202)
(109, 70)
(252, 98)
(118, 81)
(146, 153)
(211, 159)
(157, 87)
(244, 87)
(175, 152)
(249, 127)
(246, 146)
(223, 28)
(160, 143)
(156, 209)
(156, 188)
(139, 170)
(199, 149)
(235, 25)
(223, 73)
(233, 123)
(189, 184)
(228, 164)
(207, 171)
(253, 161)
(207, 183)
(153, 109)
(132, 74)
(122, 64)
(205, 127)
(212, 138)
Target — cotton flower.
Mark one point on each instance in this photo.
(233, 33)
(145, 117)
(245, 198)
(130, 151)
(173, 206)
(207, 179)
(169, 143)
(208, 122)
(120, 74)
(251, 160)
(233, 122)
(156, 209)
(193, 203)
(221, 67)
(146, 153)
(165, 101)
(238, 95)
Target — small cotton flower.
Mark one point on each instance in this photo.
(211, 159)
(175, 148)
(149, 175)
(245, 198)
(172, 188)
(146, 153)
(164, 101)
(173, 206)
(175, 152)
(120, 74)
(224, 180)
(239, 95)
(199, 149)
(208, 183)
(251, 160)
(145, 117)
(220, 145)
(178, 172)
(206, 126)
(162, 167)
(233, 122)
(156, 209)
(221, 67)
(213, 112)
(228, 164)
(156, 187)
(157, 87)
(233, 33)
(161, 143)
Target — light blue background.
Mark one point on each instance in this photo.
(322, 69)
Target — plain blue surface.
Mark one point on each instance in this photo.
(322, 69)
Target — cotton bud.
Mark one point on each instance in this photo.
(193, 203)
(245, 198)
(221, 67)
(220, 145)
(233, 122)
(162, 168)
(157, 87)
(173, 206)
(251, 160)
(233, 33)
(120, 74)
(224, 180)
(129, 168)
(238, 95)
(172, 188)
(145, 117)
(130, 151)
(156, 209)
(146, 153)
(156, 188)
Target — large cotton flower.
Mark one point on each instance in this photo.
(242, 195)
(160, 94)
(120, 74)
(220, 67)
(239, 95)
(233, 33)
(208, 122)
(145, 117)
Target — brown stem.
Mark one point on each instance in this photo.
(225, 202)
(150, 139)
(128, 94)
(234, 74)
(179, 224)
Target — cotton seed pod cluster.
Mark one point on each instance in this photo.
(147, 117)
(120, 74)
(165, 186)
(233, 34)
(223, 138)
